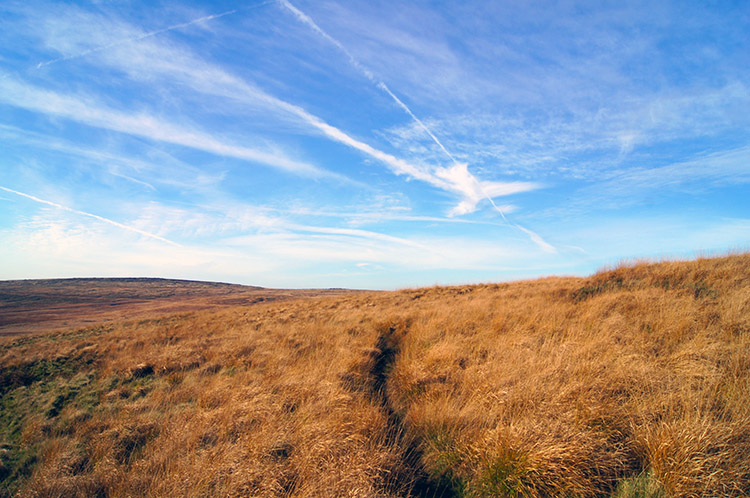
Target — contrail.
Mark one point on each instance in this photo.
(147, 35)
(364, 234)
(535, 237)
(96, 217)
(304, 18)
(141, 37)
(385, 88)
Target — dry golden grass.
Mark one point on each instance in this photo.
(633, 382)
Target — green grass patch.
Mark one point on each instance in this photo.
(508, 475)
(444, 458)
(641, 486)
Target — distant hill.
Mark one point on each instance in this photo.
(42, 305)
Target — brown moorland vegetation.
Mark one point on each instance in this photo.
(634, 382)
(32, 306)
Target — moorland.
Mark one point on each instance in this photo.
(633, 382)
(32, 306)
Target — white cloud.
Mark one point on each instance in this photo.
(90, 215)
(729, 167)
(458, 178)
(46, 247)
(580, 143)
(304, 18)
(132, 39)
(197, 223)
(160, 169)
(55, 243)
(149, 58)
(571, 103)
(628, 187)
(90, 112)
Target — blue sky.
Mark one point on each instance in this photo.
(297, 143)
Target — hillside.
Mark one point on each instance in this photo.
(634, 382)
(45, 305)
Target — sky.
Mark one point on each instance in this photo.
(369, 144)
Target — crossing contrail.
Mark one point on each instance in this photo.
(305, 19)
(96, 217)
(147, 35)
(387, 90)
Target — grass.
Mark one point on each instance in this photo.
(641, 486)
(630, 383)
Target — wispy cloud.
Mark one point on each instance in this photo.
(366, 72)
(179, 65)
(579, 142)
(139, 37)
(304, 18)
(487, 190)
(366, 234)
(547, 247)
(207, 79)
(163, 170)
(251, 248)
(437, 129)
(114, 172)
(90, 112)
(627, 187)
(90, 215)
(457, 176)
(232, 220)
(47, 245)
(585, 93)
(327, 247)
(623, 188)
(355, 217)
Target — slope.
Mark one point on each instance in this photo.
(632, 382)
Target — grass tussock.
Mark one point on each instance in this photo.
(631, 383)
